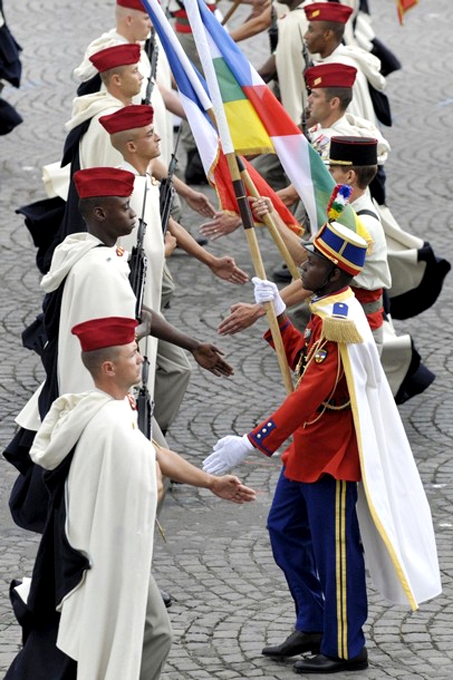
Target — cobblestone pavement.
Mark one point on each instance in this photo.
(231, 598)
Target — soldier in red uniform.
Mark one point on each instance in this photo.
(343, 467)
(321, 466)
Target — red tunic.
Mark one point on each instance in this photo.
(324, 440)
(367, 297)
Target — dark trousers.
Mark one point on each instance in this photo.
(315, 540)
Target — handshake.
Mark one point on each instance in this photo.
(233, 450)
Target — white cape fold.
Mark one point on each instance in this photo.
(111, 498)
(394, 514)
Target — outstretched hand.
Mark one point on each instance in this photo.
(243, 315)
(230, 488)
(200, 203)
(210, 357)
(225, 268)
(223, 223)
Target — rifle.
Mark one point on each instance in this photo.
(137, 278)
(167, 190)
(145, 406)
(303, 123)
(152, 50)
(138, 262)
(272, 31)
(308, 61)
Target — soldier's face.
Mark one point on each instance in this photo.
(315, 272)
(128, 365)
(147, 142)
(139, 25)
(318, 106)
(315, 36)
(131, 80)
(340, 173)
(119, 218)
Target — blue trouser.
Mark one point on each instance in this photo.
(315, 540)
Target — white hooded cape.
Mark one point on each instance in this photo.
(394, 515)
(163, 119)
(97, 285)
(111, 498)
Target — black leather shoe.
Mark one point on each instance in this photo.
(297, 643)
(325, 664)
(167, 598)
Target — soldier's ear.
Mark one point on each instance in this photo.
(335, 274)
(115, 80)
(99, 213)
(335, 103)
(328, 34)
(108, 369)
(351, 176)
(131, 147)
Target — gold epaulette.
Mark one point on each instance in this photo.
(340, 330)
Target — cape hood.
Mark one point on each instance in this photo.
(66, 255)
(90, 105)
(86, 70)
(63, 425)
(367, 62)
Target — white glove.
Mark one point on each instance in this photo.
(267, 291)
(227, 453)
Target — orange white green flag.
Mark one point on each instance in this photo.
(257, 121)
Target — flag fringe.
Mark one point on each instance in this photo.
(403, 6)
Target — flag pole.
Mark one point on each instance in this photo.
(270, 223)
(218, 117)
(249, 230)
(231, 11)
